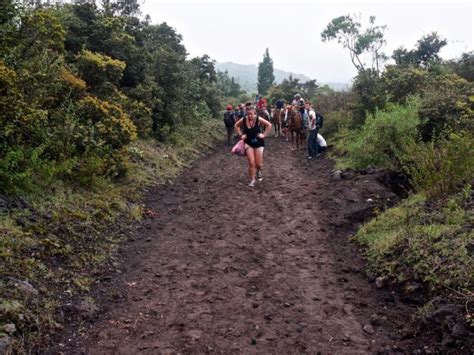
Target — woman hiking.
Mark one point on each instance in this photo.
(249, 129)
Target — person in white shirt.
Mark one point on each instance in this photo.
(313, 131)
(322, 145)
(298, 101)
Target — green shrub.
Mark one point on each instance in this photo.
(447, 104)
(401, 82)
(384, 138)
(97, 69)
(40, 30)
(104, 124)
(141, 116)
(439, 167)
(76, 85)
(15, 170)
(334, 122)
(19, 122)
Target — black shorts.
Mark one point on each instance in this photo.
(257, 143)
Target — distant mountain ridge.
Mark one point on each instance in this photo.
(246, 76)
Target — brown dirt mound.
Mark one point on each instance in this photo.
(220, 267)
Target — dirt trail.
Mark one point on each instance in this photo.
(220, 267)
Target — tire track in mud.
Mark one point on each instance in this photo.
(225, 268)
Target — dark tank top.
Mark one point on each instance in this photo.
(252, 133)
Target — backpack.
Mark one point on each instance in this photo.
(319, 120)
(229, 119)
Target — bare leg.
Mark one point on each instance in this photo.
(250, 152)
(258, 158)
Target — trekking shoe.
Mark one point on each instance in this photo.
(252, 183)
(259, 176)
(310, 157)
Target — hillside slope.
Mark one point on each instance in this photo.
(246, 76)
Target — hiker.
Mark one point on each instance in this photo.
(262, 109)
(298, 101)
(284, 122)
(229, 121)
(249, 129)
(313, 132)
(241, 112)
(322, 145)
(257, 99)
(280, 104)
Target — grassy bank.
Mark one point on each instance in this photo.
(424, 246)
(57, 240)
(424, 243)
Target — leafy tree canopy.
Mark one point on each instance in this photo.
(425, 53)
(348, 31)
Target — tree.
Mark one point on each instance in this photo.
(123, 7)
(228, 85)
(464, 66)
(285, 90)
(330, 100)
(265, 74)
(347, 31)
(309, 89)
(425, 54)
(9, 20)
(204, 68)
(367, 94)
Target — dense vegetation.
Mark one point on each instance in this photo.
(78, 84)
(414, 117)
(95, 104)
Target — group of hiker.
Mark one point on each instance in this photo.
(252, 122)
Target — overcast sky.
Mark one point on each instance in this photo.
(239, 31)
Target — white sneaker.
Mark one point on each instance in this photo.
(252, 183)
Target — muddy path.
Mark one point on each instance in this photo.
(219, 267)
